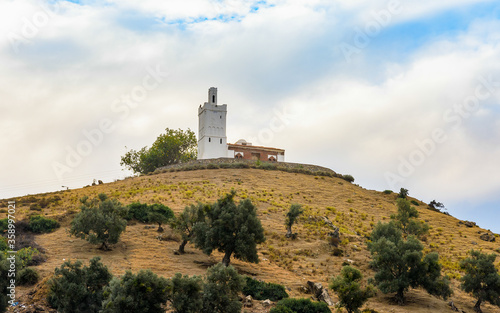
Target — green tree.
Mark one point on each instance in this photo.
(160, 214)
(77, 289)
(481, 278)
(403, 193)
(230, 228)
(185, 222)
(100, 221)
(185, 293)
(400, 264)
(221, 289)
(349, 291)
(291, 217)
(141, 293)
(175, 146)
(406, 219)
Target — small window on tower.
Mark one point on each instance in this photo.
(221, 117)
(221, 141)
(209, 139)
(213, 99)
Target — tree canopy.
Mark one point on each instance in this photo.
(100, 221)
(77, 289)
(348, 288)
(174, 146)
(185, 222)
(230, 228)
(400, 264)
(291, 217)
(406, 219)
(481, 278)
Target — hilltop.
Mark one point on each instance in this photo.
(289, 262)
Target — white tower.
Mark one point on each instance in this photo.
(212, 140)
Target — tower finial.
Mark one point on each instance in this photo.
(212, 95)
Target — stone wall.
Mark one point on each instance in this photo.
(287, 166)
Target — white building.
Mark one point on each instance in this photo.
(212, 140)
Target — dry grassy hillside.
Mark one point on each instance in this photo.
(289, 262)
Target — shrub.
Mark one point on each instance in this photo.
(415, 202)
(4, 225)
(185, 293)
(27, 276)
(212, 166)
(263, 291)
(138, 211)
(145, 292)
(269, 166)
(300, 306)
(27, 255)
(3, 244)
(77, 289)
(39, 224)
(347, 286)
(348, 178)
(388, 192)
(222, 286)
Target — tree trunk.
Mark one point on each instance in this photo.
(227, 258)
(477, 307)
(400, 296)
(181, 247)
(104, 246)
(288, 232)
(160, 229)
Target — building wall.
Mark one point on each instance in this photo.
(212, 140)
(249, 153)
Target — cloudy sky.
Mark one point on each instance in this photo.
(397, 93)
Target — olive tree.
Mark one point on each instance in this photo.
(100, 221)
(230, 228)
(400, 264)
(481, 278)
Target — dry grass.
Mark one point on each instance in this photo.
(291, 263)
